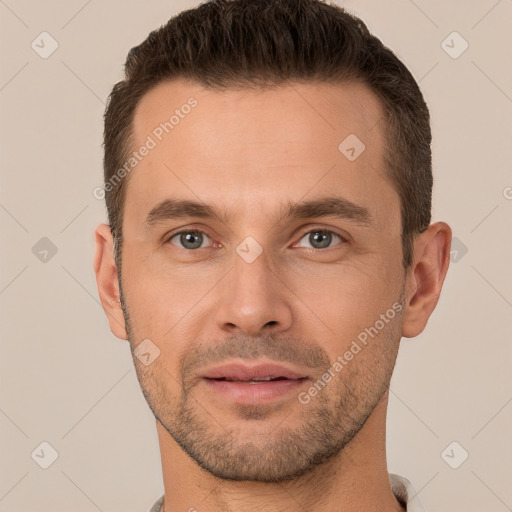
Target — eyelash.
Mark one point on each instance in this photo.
(343, 239)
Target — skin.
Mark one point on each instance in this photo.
(248, 152)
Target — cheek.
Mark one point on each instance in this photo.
(341, 301)
(163, 300)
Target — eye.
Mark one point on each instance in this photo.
(194, 239)
(189, 240)
(321, 238)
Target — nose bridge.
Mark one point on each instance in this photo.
(253, 298)
(252, 270)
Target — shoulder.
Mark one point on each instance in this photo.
(405, 493)
(157, 505)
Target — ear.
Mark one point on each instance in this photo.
(426, 276)
(107, 280)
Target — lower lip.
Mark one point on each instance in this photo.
(257, 393)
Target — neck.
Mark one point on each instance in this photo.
(356, 479)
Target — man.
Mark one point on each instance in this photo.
(268, 184)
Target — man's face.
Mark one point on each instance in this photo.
(202, 292)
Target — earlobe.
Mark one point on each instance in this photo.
(107, 281)
(426, 277)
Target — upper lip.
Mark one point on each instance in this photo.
(240, 371)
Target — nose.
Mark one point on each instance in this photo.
(254, 299)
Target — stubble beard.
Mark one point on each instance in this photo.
(246, 450)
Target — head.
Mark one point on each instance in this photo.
(280, 211)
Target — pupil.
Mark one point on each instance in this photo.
(314, 239)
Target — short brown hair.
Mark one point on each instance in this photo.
(258, 43)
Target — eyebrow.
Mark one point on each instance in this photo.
(331, 206)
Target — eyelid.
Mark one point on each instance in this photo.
(340, 233)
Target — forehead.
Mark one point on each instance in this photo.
(252, 149)
(294, 111)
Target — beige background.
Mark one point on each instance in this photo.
(66, 380)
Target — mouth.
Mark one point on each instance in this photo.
(256, 384)
(254, 380)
